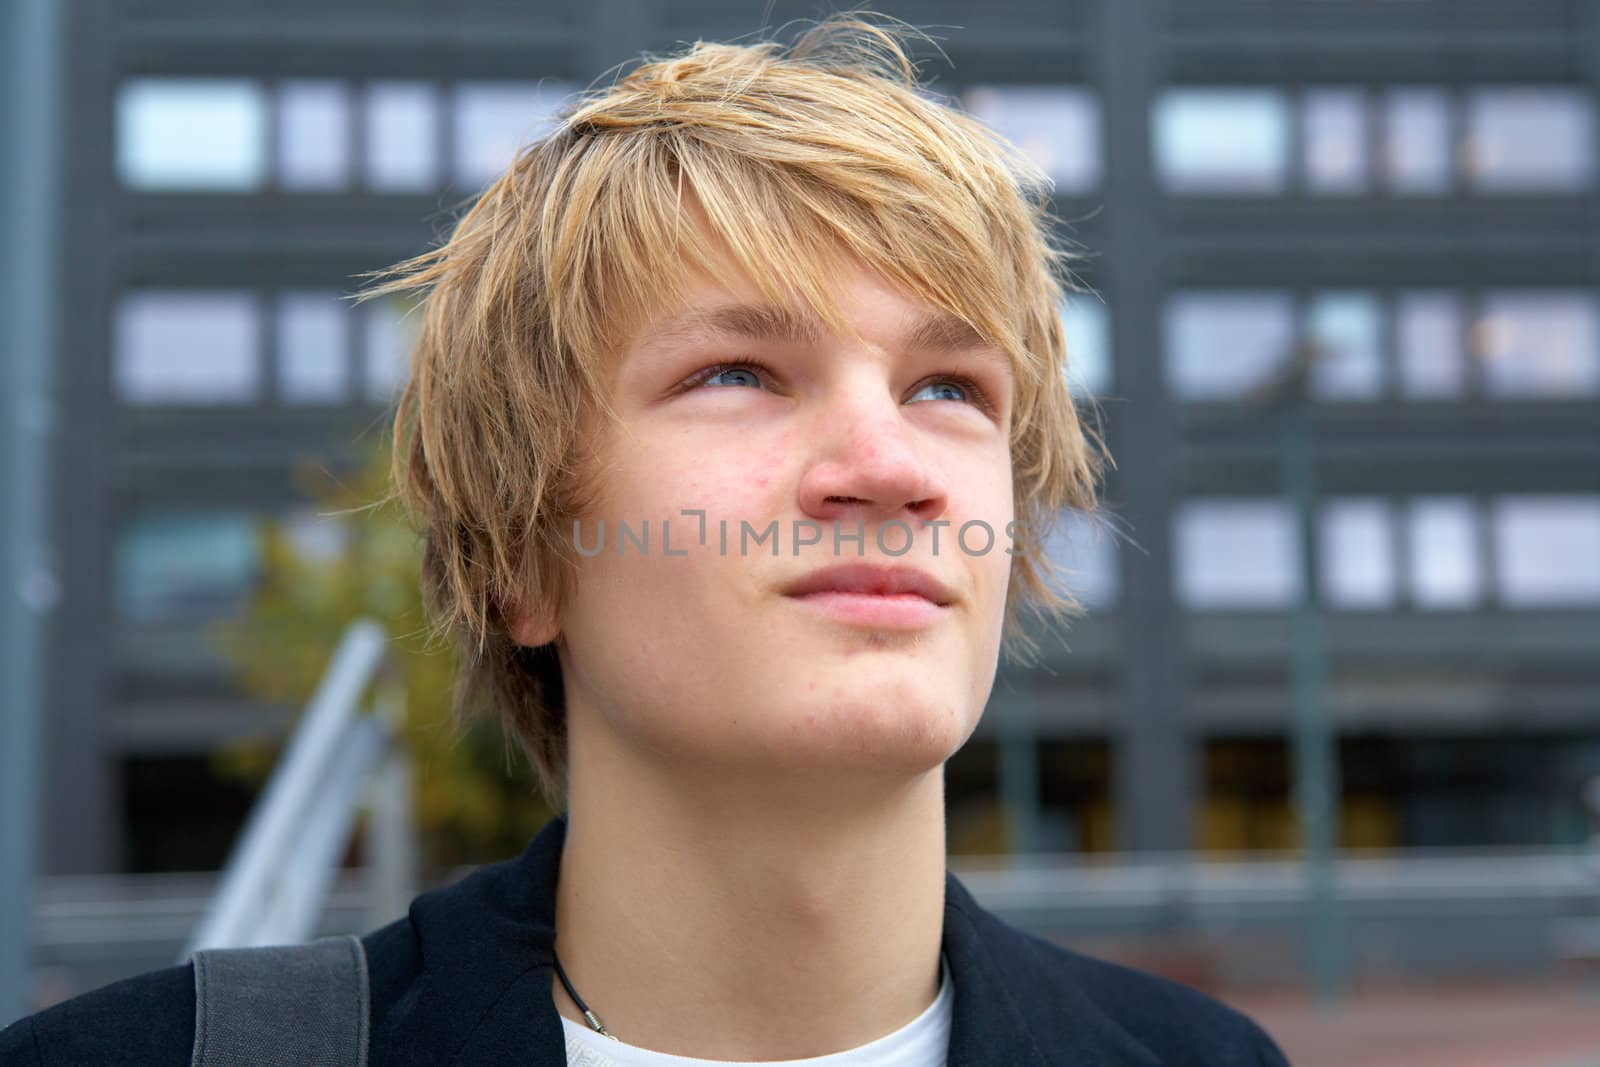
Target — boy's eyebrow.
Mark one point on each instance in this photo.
(936, 331)
(756, 322)
(940, 331)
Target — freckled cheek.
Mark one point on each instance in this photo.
(699, 501)
(729, 481)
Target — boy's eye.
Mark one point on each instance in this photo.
(732, 376)
(943, 390)
(750, 374)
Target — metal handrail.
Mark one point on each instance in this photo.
(339, 760)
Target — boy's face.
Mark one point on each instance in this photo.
(730, 660)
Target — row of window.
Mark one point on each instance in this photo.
(1432, 553)
(1406, 141)
(1413, 344)
(236, 135)
(397, 136)
(206, 346)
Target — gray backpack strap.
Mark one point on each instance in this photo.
(301, 1004)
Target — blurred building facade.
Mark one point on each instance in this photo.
(1408, 184)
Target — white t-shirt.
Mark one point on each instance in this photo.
(922, 1042)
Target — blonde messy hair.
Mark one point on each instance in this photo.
(792, 158)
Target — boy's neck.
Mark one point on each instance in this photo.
(704, 922)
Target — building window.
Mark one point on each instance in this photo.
(1088, 333)
(1346, 328)
(1432, 140)
(182, 567)
(1547, 550)
(1227, 141)
(1539, 344)
(1357, 567)
(191, 134)
(1334, 140)
(1443, 545)
(313, 346)
(1084, 547)
(313, 135)
(1529, 140)
(1222, 344)
(187, 347)
(494, 120)
(1417, 141)
(316, 536)
(391, 331)
(1236, 553)
(402, 137)
(1428, 333)
(1055, 126)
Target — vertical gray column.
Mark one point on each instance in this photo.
(1153, 766)
(28, 159)
(1017, 735)
(81, 783)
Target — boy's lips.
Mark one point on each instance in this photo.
(864, 594)
(872, 579)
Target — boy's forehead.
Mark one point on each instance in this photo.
(708, 290)
(712, 311)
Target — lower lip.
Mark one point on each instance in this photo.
(902, 611)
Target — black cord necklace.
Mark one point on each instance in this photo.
(561, 973)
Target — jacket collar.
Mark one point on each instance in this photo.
(486, 946)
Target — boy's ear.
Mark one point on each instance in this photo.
(534, 627)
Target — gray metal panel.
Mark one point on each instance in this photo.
(29, 163)
(1155, 779)
(84, 825)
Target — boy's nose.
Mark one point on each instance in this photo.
(868, 463)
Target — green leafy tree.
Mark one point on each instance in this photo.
(477, 799)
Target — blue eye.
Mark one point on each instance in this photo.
(948, 390)
(739, 376)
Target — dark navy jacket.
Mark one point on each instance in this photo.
(465, 980)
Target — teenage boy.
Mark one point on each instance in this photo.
(737, 417)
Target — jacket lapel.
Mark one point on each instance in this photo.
(1014, 1004)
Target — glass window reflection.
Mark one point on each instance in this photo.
(1346, 328)
(183, 567)
(402, 136)
(494, 120)
(1222, 140)
(1529, 140)
(1357, 564)
(196, 134)
(1222, 344)
(1443, 546)
(1085, 548)
(313, 135)
(1539, 343)
(185, 347)
(1058, 127)
(1236, 553)
(1417, 141)
(313, 367)
(1547, 550)
(1087, 326)
(1428, 333)
(391, 331)
(1334, 140)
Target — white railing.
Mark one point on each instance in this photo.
(339, 760)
